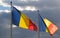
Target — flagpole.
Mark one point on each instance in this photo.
(38, 24)
(11, 20)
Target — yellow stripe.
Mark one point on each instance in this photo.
(24, 21)
(46, 30)
(51, 28)
(47, 22)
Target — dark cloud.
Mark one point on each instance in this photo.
(4, 33)
(38, 4)
(17, 33)
(4, 25)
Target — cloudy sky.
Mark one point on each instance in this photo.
(48, 8)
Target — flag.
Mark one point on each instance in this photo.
(21, 20)
(42, 25)
(51, 27)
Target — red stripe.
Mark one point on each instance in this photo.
(52, 28)
(32, 26)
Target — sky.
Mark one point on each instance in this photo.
(47, 8)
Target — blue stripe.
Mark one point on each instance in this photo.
(42, 27)
(15, 16)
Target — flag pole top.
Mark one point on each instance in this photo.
(11, 2)
(38, 10)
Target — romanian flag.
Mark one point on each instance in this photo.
(42, 25)
(21, 20)
(51, 27)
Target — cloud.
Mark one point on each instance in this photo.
(31, 8)
(40, 4)
(5, 11)
(13, 26)
(36, 4)
(26, 0)
(5, 20)
(29, 0)
(4, 4)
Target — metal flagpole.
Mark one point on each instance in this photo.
(38, 24)
(11, 20)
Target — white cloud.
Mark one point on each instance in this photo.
(31, 8)
(28, 0)
(14, 26)
(20, 8)
(4, 4)
(6, 11)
